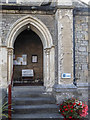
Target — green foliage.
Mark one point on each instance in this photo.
(4, 110)
(73, 108)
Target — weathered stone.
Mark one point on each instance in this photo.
(55, 29)
(89, 75)
(64, 25)
(89, 58)
(84, 67)
(89, 66)
(82, 49)
(86, 37)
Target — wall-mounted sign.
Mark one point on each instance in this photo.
(34, 59)
(20, 59)
(27, 73)
(66, 75)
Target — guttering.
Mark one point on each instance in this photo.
(26, 7)
(74, 71)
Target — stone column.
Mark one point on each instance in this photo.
(65, 44)
(64, 2)
(47, 67)
(3, 72)
(0, 66)
(52, 66)
(6, 1)
(64, 24)
(0, 81)
(4, 66)
(89, 48)
(10, 63)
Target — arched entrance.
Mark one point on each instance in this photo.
(48, 48)
(28, 57)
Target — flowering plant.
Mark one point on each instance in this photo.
(73, 108)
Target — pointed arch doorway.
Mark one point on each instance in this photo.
(28, 57)
(48, 48)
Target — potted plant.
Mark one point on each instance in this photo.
(73, 109)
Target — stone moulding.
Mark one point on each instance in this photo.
(49, 50)
(21, 24)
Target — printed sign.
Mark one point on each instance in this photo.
(66, 75)
(34, 58)
(27, 73)
(20, 59)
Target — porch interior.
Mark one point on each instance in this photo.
(28, 57)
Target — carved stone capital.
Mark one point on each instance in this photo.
(10, 51)
(47, 51)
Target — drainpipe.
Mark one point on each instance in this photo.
(74, 80)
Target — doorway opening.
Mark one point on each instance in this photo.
(28, 59)
(48, 47)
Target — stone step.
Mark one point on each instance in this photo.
(28, 88)
(33, 101)
(36, 116)
(29, 109)
(31, 94)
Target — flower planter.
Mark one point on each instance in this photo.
(73, 109)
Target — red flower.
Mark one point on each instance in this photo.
(70, 117)
(71, 110)
(66, 109)
(68, 106)
(64, 106)
(74, 103)
(79, 104)
(72, 107)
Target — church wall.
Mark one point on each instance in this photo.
(11, 16)
(81, 47)
(81, 53)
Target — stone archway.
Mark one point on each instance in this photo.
(49, 51)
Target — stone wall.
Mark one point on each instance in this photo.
(11, 16)
(65, 44)
(89, 60)
(64, 87)
(80, 32)
(81, 47)
(81, 52)
(89, 46)
(60, 26)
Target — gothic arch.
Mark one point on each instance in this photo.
(36, 25)
(42, 31)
